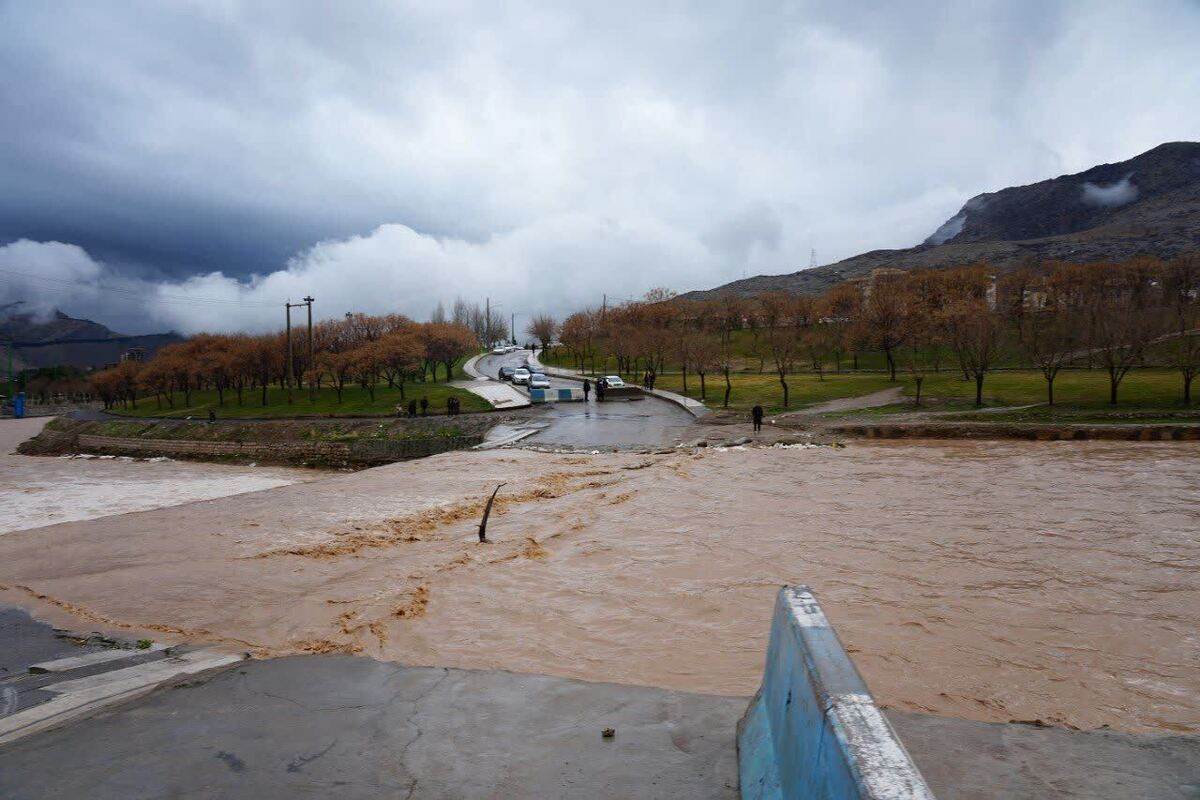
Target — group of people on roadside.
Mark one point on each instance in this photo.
(453, 407)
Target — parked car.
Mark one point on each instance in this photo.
(613, 381)
(499, 350)
(537, 369)
(521, 376)
(538, 381)
(506, 373)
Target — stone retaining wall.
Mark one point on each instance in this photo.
(1035, 431)
(362, 452)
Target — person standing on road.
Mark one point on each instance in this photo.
(587, 389)
(600, 387)
(757, 414)
(424, 406)
(412, 408)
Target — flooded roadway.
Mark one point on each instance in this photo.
(36, 491)
(613, 424)
(997, 581)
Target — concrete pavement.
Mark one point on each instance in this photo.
(352, 727)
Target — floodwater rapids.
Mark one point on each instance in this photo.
(1000, 581)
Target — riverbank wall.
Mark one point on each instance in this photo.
(1032, 431)
(292, 444)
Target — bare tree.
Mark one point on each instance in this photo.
(974, 332)
(544, 328)
(1050, 337)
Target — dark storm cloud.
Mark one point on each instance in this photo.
(385, 154)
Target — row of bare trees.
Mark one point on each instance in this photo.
(360, 349)
(1042, 316)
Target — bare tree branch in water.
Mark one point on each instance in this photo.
(487, 510)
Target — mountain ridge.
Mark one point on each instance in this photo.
(63, 340)
(1146, 205)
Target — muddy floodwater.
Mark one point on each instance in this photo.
(987, 580)
(43, 491)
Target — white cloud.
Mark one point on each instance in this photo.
(1116, 194)
(481, 148)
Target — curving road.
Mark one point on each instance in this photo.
(650, 422)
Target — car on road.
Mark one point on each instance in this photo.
(613, 381)
(499, 351)
(506, 373)
(521, 376)
(538, 381)
(536, 369)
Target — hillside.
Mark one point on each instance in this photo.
(62, 340)
(1147, 205)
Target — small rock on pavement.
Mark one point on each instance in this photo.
(608, 733)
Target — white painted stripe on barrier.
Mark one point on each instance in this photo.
(90, 659)
(806, 611)
(884, 767)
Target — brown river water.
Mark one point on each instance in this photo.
(1055, 581)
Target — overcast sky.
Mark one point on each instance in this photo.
(192, 165)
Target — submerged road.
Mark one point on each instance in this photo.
(649, 422)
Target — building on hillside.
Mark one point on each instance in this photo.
(135, 354)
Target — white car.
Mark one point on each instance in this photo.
(521, 376)
(613, 381)
(538, 381)
(499, 351)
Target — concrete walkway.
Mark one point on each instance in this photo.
(347, 727)
(498, 393)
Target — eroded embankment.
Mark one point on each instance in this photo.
(321, 443)
(989, 580)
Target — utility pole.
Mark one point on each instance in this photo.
(289, 368)
(604, 307)
(312, 366)
(487, 321)
(512, 327)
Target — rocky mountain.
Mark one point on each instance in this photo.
(1148, 205)
(61, 340)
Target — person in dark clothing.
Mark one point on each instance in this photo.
(412, 408)
(424, 406)
(601, 385)
(587, 389)
(757, 414)
(454, 407)
(212, 415)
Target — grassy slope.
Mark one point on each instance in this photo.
(1077, 391)
(354, 401)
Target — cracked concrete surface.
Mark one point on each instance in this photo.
(353, 727)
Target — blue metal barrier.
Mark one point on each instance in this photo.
(813, 730)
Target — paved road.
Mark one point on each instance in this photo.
(352, 727)
(649, 422)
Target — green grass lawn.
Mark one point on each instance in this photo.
(804, 389)
(355, 401)
(1075, 391)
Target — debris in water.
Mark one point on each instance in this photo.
(487, 510)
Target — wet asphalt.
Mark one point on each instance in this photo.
(613, 424)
